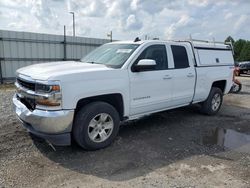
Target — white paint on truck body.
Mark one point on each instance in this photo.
(142, 92)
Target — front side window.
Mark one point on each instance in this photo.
(157, 53)
(180, 57)
(113, 55)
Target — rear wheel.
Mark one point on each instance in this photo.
(213, 103)
(96, 125)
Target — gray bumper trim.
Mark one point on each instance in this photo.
(55, 139)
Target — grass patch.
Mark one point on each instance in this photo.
(7, 86)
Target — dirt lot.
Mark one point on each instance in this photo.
(178, 148)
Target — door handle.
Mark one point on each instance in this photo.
(190, 75)
(167, 77)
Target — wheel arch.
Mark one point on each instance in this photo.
(221, 84)
(114, 99)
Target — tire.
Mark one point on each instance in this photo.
(90, 125)
(208, 107)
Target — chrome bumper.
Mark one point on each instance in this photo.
(41, 121)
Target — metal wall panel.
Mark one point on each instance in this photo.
(19, 49)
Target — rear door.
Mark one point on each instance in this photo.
(183, 75)
(151, 90)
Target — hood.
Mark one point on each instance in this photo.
(51, 70)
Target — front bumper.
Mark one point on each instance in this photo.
(54, 126)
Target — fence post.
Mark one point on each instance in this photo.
(64, 45)
(1, 76)
(1, 72)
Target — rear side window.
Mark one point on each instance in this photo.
(157, 53)
(180, 57)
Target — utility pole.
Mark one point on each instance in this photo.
(110, 35)
(74, 34)
(74, 29)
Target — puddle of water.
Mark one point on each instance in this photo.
(228, 139)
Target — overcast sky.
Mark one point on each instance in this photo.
(203, 19)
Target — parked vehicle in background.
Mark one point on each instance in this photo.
(236, 68)
(244, 67)
(120, 81)
(236, 87)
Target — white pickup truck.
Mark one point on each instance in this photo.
(87, 100)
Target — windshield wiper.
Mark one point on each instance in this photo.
(92, 62)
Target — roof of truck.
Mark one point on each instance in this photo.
(129, 42)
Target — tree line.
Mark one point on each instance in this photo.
(241, 49)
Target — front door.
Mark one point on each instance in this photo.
(151, 90)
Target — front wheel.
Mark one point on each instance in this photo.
(96, 125)
(213, 103)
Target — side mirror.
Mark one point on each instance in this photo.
(144, 65)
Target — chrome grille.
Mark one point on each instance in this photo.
(26, 84)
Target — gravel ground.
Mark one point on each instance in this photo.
(177, 148)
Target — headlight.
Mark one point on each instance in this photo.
(43, 88)
(48, 94)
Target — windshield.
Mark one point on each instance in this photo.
(113, 55)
